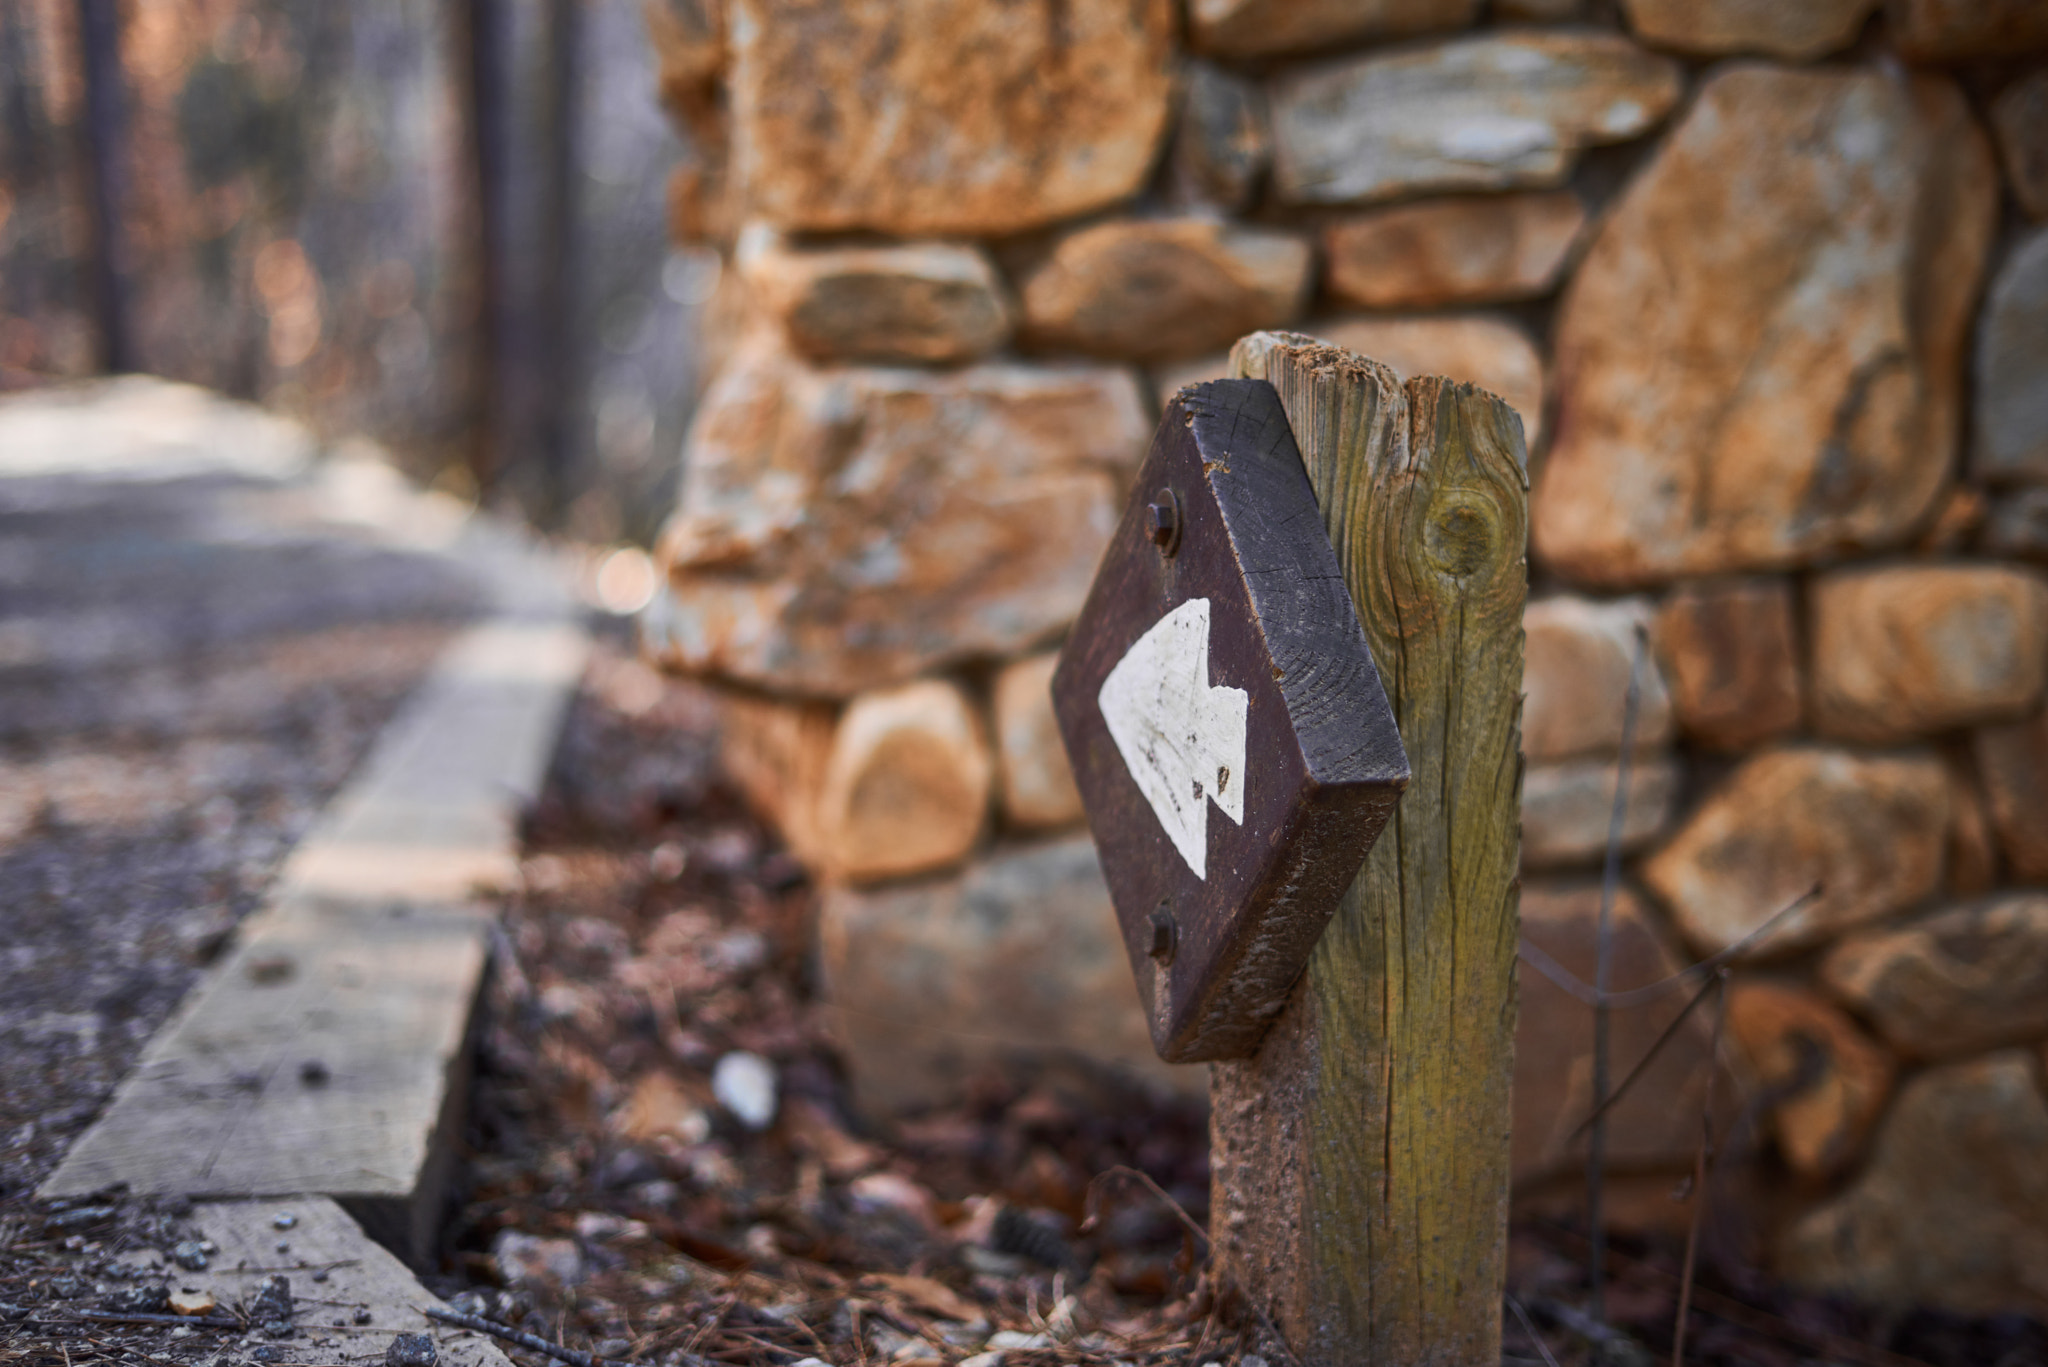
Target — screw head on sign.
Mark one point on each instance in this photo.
(1162, 521)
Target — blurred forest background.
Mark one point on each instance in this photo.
(437, 224)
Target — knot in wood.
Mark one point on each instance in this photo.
(1461, 534)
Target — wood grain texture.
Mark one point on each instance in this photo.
(776, 752)
(1361, 1158)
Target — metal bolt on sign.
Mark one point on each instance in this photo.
(1228, 730)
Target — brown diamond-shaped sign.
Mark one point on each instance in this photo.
(1227, 727)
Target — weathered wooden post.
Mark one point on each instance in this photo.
(1361, 1124)
(1361, 1157)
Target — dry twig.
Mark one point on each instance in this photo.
(1529, 1328)
(534, 1343)
(113, 1317)
(1649, 1055)
(1560, 976)
(1094, 1199)
(1701, 1166)
(1610, 881)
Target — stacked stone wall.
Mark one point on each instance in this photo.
(1769, 288)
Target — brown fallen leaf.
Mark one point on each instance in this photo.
(813, 1130)
(929, 1295)
(660, 1107)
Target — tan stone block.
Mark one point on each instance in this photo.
(1149, 289)
(689, 42)
(775, 754)
(2019, 119)
(1817, 409)
(1972, 841)
(1955, 30)
(935, 117)
(1957, 520)
(1658, 1122)
(1833, 1079)
(1908, 650)
(1575, 680)
(1870, 830)
(1014, 965)
(1038, 784)
(1478, 348)
(1713, 28)
(1952, 1209)
(1452, 251)
(1957, 982)
(905, 789)
(896, 783)
(1501, 110)
(1730, 651)
(730, 320)
(1567, 808)
(2012, 760)
(846, 529)
(2016, 524)
(1224, 142)
(1652, 1204)
(690, 53)
(1266, 28)
(700, 202)
(920, 302)
(2011, 408)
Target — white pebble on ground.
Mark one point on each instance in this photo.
(744, 1084)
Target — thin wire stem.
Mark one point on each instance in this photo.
(1702, 1165)
(1533, 955)
(1610, 881)
(1529, 1328)
(1670, 1033)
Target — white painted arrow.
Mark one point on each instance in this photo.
(1182, 740)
